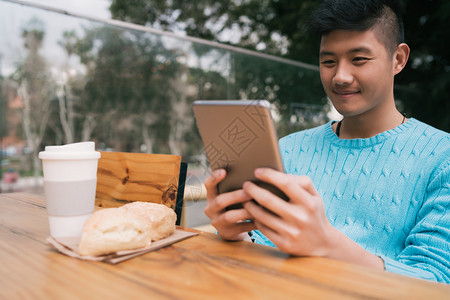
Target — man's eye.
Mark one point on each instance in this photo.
(327, 62)
(360, 59)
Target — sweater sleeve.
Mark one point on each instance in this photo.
(427, 247)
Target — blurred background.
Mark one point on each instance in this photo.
(124, 73)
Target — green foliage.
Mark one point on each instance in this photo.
(278, 27)
(128, 73)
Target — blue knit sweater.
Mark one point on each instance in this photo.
(389, 193)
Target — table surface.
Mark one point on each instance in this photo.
(201, 267)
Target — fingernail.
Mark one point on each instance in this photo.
(217, 173)
(258, 171)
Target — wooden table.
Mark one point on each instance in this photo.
(202, 267)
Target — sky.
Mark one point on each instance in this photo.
(92, 8)
(15, 17)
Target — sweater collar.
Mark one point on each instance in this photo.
(367, 142)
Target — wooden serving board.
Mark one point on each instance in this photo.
(126, 177)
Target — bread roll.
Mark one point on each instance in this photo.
(132, 226)
(161, 219)
(110, 230)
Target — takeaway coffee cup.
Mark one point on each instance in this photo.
(70, 178)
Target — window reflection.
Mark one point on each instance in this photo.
(66, 79)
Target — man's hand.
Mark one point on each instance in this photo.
(230, 224)
(298, 227)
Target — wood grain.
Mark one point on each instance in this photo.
(125, 177)
(202, 267)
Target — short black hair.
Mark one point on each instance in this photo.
(361, 15)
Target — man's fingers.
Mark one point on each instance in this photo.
(266, 199)
(268, 232)
(297, 188)
(263, 215)
(235, 197)
(212, 181)
(238, 231)
(219, 203)
(234, 216)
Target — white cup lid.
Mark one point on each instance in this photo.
(83, 150)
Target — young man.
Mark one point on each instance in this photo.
(372, 189)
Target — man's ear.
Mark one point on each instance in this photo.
(400, 57)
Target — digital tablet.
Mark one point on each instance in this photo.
(239, 136)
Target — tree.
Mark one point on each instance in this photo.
(278, 27)
(133, 81)
(35, 88)
(64, 94)
(424, 84)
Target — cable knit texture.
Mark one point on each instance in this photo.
(389, 193)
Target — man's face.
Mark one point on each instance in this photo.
(357, 72)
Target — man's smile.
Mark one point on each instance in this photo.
(346, 92)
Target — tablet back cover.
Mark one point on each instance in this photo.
(238, 136)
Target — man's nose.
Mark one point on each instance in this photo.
(343, 75)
